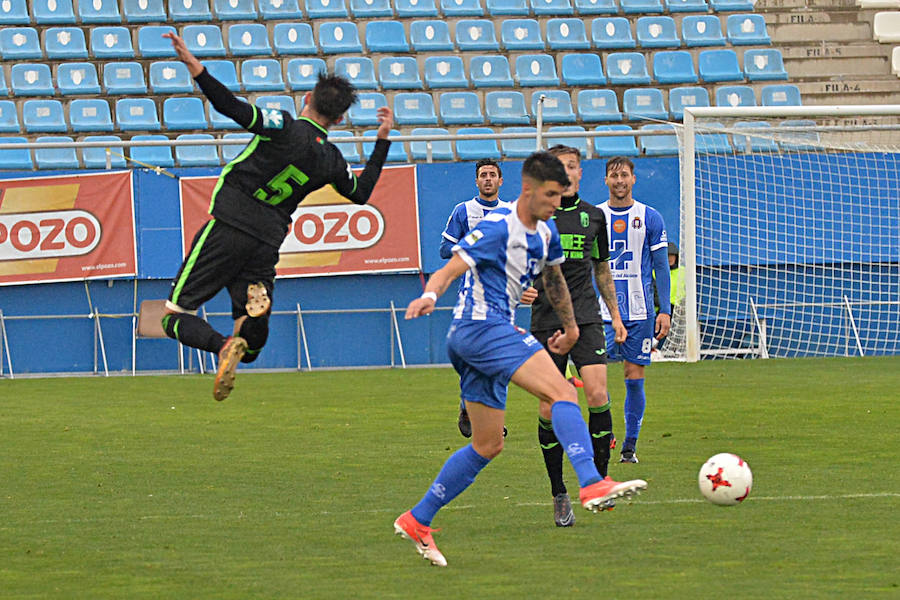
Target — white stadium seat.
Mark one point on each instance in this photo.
(887, 27)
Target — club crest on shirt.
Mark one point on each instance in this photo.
(636, 223)
(473, 237)
(585, 220)
(272, 118)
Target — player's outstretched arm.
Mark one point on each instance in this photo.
(558, 294)
(358, 190)
(184, 55)
(437, 285)
(607, 288)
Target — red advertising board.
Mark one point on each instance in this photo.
(329, 234)
(66, 228)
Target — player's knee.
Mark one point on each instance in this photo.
(489, 449)
(597, 396)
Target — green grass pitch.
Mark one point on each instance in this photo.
(147, 488)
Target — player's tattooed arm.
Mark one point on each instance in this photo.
(604, 279)
(558, 294)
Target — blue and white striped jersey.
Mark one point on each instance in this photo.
(465, 216)
(504, 257)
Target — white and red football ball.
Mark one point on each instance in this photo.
(725, 479)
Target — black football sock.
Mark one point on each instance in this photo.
(600, 426)
(553, 456)
(193, 331)
(256, 331)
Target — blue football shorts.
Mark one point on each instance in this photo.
(637, 346)
(486, 354)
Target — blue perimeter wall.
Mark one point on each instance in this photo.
(51, 345)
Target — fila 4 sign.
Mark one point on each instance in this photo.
(725, 479)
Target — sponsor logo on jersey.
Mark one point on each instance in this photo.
(473, 237)
(272, 118)
(619, 226)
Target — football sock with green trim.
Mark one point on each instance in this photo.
(600, 426)
(193, 331)
(553, 455)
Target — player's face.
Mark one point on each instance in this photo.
(545, 197)
(572, 163)
(488, 181)
(620, 181)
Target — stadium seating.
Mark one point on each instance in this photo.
(764, 64)
(747, 30)
(886, 27)
(575, 142)
(219, 121)
(340, 37)
(157, 156)
(735, 95)
(9, 118)
(235, 10)
(681, 97)
(518, 147)
(17, 159)
(429, 36)
(386, 36)
(77, 79)
(397, 152)
(206, 155)
(644, 103)
(49, 12)
(557, 106)
(490, 71)
(4, 90)
(415, 8)
(144, 11)
(598, 105)
(90, 114)
(440, 149)
(326, 9)
(713, 142)
(136, 114)
(95, 158)
(368, 9)
(14, 12)
(184, 113)
(360, 71)
(674, 6)
(780, 95)
(567, 34)
(462, 8)
(40, 116)
(802, 140)
(203, 40)
(303, 73)
(189, 10)
(349, 150)
(364, 112)
(582, 69)
(31, 80)
(414, 108)
(99, 11)
(278, 9)
(399, 73)
(476, 34)
(521, 34)
(596, 7)
(20, 43)
(731, 5)
(445, 72)
(552, 7)
(262, 75)
(627, 68)
(460, 108)
(477, 149)
(611, 33)
(719, 65)
(55, 158)
(640, 7)
(278, 102)
(231, 151)
(111, 42)
(225, 72)
(152, 44)
(616, 145)
(536, 70)
(702, 30)
(248, 39)
(756, 143)
(895, 61)
(62, 43)
(657, 32)
(656, 145)
(507, 7)
(506, 108)
(124, 78)
(674, 66)
(170, 77)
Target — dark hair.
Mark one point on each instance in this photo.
(543, 166)
(617, 162)
(561, 150)
(488, 162)
(332, 96)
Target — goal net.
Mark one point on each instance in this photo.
(790, 232)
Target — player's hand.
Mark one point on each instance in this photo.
(663, 324)
(529, 296)
(561, 343)
(184, 55)
(385, 122)
(418, 307)
(621, 332)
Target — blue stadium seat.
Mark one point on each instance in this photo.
(800, 140)
(507, 8)
(235, 10)
(99, 11)
(399, 73)
(77, 79)
(626, 68)
(152, 44)
(365, 111)
(747, 30)
(50, 12)
(460, 108)
(755, 142)
(657, 32)
(462, 8)
(206, 155)
(445, 72)
(477, 149)
(189, 10)
(518, 147)
(95, 158)
(598, 105)
(764, 64)
(702, 30)
(674, 66)
(415, 8)
(682, 97)
(91, 114)
(136, 114)
(231, 151)
(262, 75)
(184, 113)
(16, 159)
(350, 150)
(731, 5)
(712, 141)
(440, 149)
(278, 102)
(656, 145)
(339, 38)
(567, 34)
(31, 80)
(55, 158)
(386, 36)
(170, 77)
(506, 108)
(557, 106)
(735, 95)
(224, 71)
(144, 11)
(271, 10)
(596, 7)
(248, 39)
(157, 156)
(20, 43)
(490, 71)
(39, 116)
(582, 68)
(640, 7)
(303, 73)
(414, 108)
(62, 43)
(368, 9)
(429, 36)
(610, 33)
(780, 95)
(573, 142)
(359, 70)
(220, 121)
(644, 103)
(4, 90)
(476, 34)
(397, 152)
(616, 145)
(521, 34)
(124, 78)
(203, 40)
(294, 38)
(674, 6)
(111, 42)
(552, 7)
(14, 12)
(9, 118)
(719, 65)
(536, 70)
(326, 9)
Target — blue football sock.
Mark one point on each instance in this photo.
(572, 433)
(635, 402)
(456, 475)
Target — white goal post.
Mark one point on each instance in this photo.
(790, 232)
